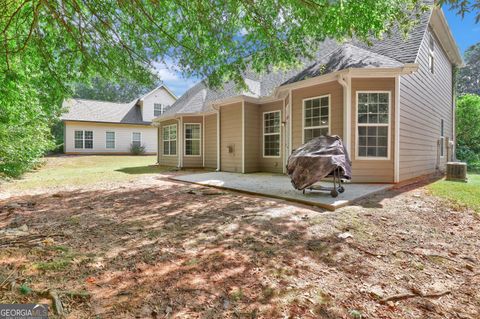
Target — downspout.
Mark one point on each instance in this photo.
(283, 143)
(203, 141)
(179, 138)
(217, 112)
(454, 115)
(396, 160)
(290, 128)
(346, 82)
(243, 137)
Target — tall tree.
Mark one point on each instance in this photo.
(468, 129)
(468, 77)
(45, 45)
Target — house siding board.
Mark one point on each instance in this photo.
(426, 98)
(364, 170)
(123, 137)
(159, 96)
(270, 164)
(211, 141)
(167, 160)
(231, 135)
(192, 161)
(252, 132)
(336, 108)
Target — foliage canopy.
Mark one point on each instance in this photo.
(468, 129)
(47, 45)
(468, 77)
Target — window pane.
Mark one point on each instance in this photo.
(362, 151)
(316, 112)
(173, 148)
(382, 152)
(272, 145)
(271, 122)
(383, 97)
(362, 97)
(78, 143)
(372, 151)
(373, 118)
(371, 142)
(316, 132)
(136, 143)
(136, 137)
(88, 143)
(383, 131)
(362, 108)
(79, 135)
(166, 148)
(89, 135)
(173, 132)
(362, 118)
(383, 118)
(166, 132)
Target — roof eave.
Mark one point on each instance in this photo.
(405, 69)
(444, 34)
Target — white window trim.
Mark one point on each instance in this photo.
(264, 134)
(83, 140)
(431, 54)
(389, 125)
(114, 140)
(162, 109)
(140, 137)
(321, 126)
(164, 140)
(199, 140)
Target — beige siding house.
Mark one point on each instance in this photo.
(99, 127)
(390, 101)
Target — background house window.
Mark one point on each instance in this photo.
(84, 139)
(170, 140)
(158, 109)
(110, 139)
(271, 134)
(136, 139)
(316, 117)
(431, 58)
(442, 139)
(192, 139)
(373, 124)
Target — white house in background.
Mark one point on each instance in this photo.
(99, 127)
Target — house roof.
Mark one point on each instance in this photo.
(393, 51)
(101, 111)
(107, 112)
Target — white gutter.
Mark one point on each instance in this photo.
(290, 133)
(243, 137)
(179, 138)
(217, 111)
(203, 141)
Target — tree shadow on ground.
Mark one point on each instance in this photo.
(179, 251)
(148, 169)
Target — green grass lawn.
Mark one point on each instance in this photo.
(84, 170)
(467, 194)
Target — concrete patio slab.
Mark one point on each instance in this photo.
(279, 186)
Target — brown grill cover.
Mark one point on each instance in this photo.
(317, 159)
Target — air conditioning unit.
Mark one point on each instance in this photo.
(457, 171)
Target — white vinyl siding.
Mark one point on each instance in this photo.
(136, 139)
(271, 134)
(373, 125)
(316, 117)
(192, 139)
(83, 139)
(170, 140)
(110, 140)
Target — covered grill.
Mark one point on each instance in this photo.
(321, 157)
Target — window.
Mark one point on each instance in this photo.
(170, 140)
(431, 59)
(442, 139)
(373, 124)
(192, 139)
(271, 134)
(83, 139)
(110, 139)
(316, 113)
(157, 109)
(136, 139)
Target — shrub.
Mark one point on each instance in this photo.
(136, 149)
(468, 130)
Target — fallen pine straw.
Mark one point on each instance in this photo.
(413, 295)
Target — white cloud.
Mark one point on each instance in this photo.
(173, 79)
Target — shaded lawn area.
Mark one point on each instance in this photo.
(462, 194)
(173, 250)
(65, 171)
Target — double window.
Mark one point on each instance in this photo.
(83, 139)
(271, 134)
(158, 109)
(170, 140)
(109, 139)
(316, 120)
(373, 124)
(192, 139)
(136, 139)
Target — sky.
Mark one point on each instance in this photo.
(465, 31)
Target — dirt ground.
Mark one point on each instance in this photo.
(154, 248)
